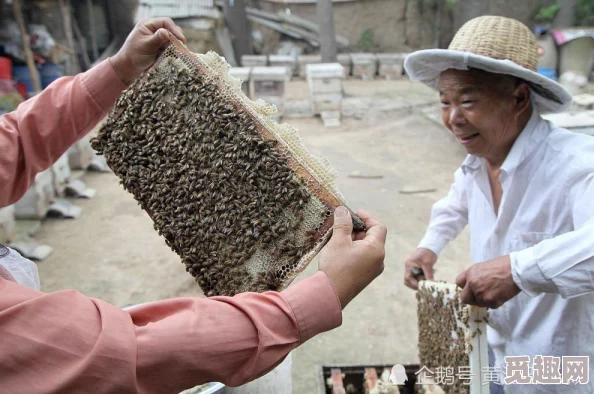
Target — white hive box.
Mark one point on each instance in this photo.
(81, 154)
(242, 73)
(364, 65)
(7, 225)
(345, 60)
(325, 78)
(61, 174)
(269, 84)
(391, 65)
(254, 61)
(304, 60)
(283, 61)
(36, 202)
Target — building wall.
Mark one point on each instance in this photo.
(403, 25)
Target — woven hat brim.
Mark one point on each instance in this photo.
(426, 66)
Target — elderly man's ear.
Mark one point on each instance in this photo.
(522, 97)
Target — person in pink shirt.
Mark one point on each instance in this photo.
(65, 342)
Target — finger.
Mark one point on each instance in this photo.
(158, 40)
(168, 24)
(467, 296)
(343, 225)
(427, 270)
(359, 235)
(376, 232)
(461, 279)
(410, 280)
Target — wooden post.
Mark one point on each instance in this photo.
(18, 14)
(239, 26)
(67, 26)
(92, 31)
(82, 45)
(327, 35)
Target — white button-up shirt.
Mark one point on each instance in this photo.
(546, 224)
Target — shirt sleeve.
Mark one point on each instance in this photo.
(563, 264)
(449, 216)
(66, 342)
(42, 128)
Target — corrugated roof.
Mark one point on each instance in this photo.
(176, 9)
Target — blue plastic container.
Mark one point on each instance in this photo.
(49, 73)
(548, 72)
(20, 74)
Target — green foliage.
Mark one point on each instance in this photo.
(584, 13)
(547, 13)
(367, 40)
(451, 3)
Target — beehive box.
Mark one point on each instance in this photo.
(345, 61)
(7, 225)
(364, 65)
(235, 194)
(325, 78)
(304, 60)
(81, 154)
(284, 61)
(37, 200)
(452, 335)
(61, 174)
(391, 65)
(326, 102)
(269, 84)
(242, 73)
(254, 61)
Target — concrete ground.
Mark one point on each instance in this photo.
(112, 252)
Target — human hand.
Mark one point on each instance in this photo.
(489, 284)
(353, 261)
(142, 47)
(421, 258)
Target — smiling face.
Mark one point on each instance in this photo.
(485, 112)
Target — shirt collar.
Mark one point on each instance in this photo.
(534, 132)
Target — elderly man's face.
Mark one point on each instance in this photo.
(482, 110)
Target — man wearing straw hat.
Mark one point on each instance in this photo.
(526, 190)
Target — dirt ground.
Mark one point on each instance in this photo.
(112, 252)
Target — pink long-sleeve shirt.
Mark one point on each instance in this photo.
(65, 342)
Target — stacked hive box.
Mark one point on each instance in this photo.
(254, 61)
(7, 224)
(269, 84)
(61, 174)
(283, 61)
(36, 202)
(304, 60)
(325, 90)
(364, 65)
(345, 61)
(391, 65)
(81, 154)
(242, 73)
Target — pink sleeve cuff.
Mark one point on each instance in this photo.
(103, 84)
(315, 304)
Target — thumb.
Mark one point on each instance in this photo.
(343, 224)
(461, 279)
(427, 271)
(158, 39)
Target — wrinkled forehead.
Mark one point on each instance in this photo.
(473, 80)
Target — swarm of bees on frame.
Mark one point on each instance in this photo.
(234, 202)
(444, 332)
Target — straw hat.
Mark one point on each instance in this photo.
(497, 45)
